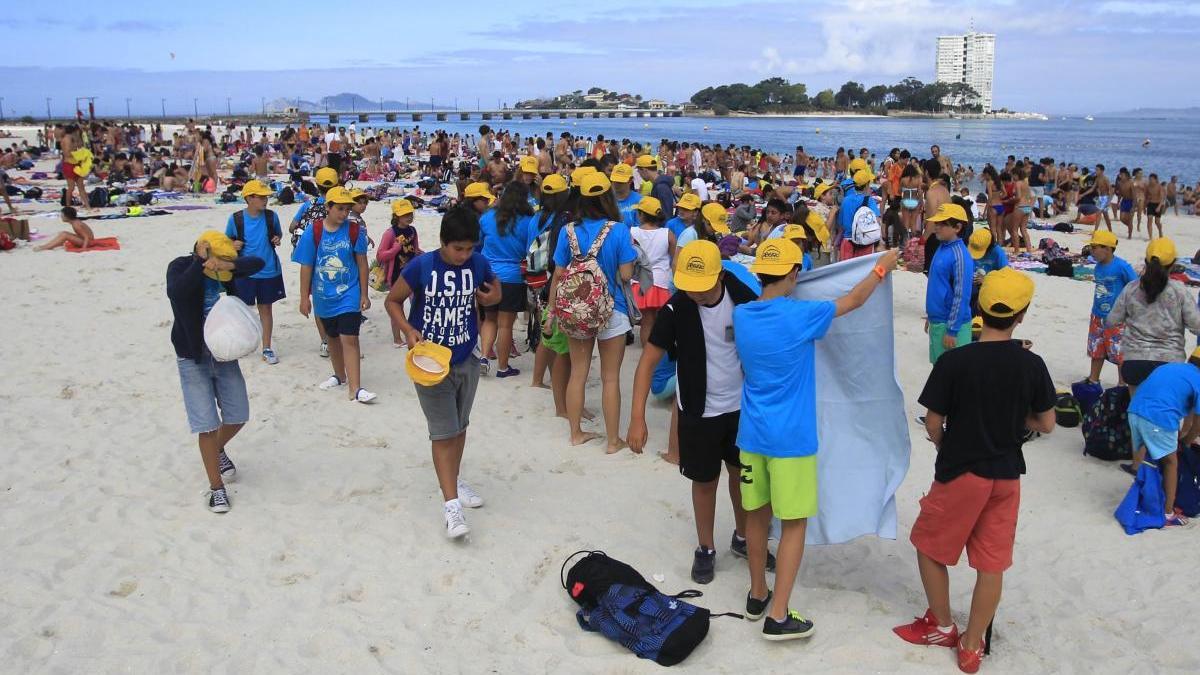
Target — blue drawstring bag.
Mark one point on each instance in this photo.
(1187, 497)
(1142, 507)
(1087, 393)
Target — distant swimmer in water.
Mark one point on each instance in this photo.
(957, 137)
(1146, 143)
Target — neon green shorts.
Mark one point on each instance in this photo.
(557, 342)
(937, 331)
(788, 484)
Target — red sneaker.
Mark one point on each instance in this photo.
(968, 660)
(925, 631)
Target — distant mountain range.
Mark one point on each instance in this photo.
(1156, 113)
(346, 102)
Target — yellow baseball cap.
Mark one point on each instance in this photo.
(578, 174)
(1196, 353)
(338, 195)
(220, 246)
(817, 223)
(529, 164)
(1103, 238)
(256, 188)
(647, 162)
(821, 189)
(858, 164)
(621, 173)
(698, 266)
(1008, 289)
(777, 257)
(717, 217)
(357, 193)
(326, 177)
(863, 178)
(554, 184)
(478, 191)
(1163, 249)
(980, 240)
(688, 201)
(949, 211)
(594, 184)
(427, 363)
(794, 231)
(401, 207)
(650, 206)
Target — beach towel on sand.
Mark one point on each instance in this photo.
(98, 244)
(863, 432)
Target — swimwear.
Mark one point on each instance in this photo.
(1126, 205)
(999, 209)
(1152, 208)
(1027, 209)
(909, 203)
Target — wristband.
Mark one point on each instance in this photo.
(880, 272)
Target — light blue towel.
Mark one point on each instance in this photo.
(862, 431)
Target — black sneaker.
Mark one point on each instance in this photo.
(756, 608)
(226, 467)
(704, 566)
(738, 547)
(1128, 468)
(791, 628)
(218, 501)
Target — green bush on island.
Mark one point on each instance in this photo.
(777, 94)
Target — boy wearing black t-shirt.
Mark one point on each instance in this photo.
(986, 394)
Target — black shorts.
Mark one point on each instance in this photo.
(334, 160)
(1135, 371)
(705, 443)
(512, 299)
(342, 324)
(254, 291)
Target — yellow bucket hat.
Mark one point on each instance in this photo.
(428, 363)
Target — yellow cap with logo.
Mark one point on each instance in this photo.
(777, 257)
(338, 195)
(621, 173)
(858, 164)
(650, 206)
(690, 201)
(717, 217)
(981, 239)
(821, 189)
(256, 188)
(1103, 238)
(863, 178)
(647, 162)
(401, 207)
(794, 231)
(219, 246)
(594, 184)
(1005, 292)
(698, 266)
(479, 190)
(529, 164)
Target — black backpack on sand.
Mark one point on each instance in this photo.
(1106, 433)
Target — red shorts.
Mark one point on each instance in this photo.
(1104, 342)
(655, 298)
(68, 171)
(848, 250)
(973, 512)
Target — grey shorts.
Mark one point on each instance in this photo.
(214, 393)
(447, 404)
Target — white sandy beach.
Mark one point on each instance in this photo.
(334, 559)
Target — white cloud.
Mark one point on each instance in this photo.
(1166, 9)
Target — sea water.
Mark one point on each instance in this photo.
(1173, 149)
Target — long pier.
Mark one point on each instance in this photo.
(335, 116)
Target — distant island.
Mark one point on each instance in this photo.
(596, 98)
(346, 101)
(1156, 113)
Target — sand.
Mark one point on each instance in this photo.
(334, 557)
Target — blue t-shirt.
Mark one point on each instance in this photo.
(676, 226)
(774, 340)
(628, 213)
(335, 288)
(616, 251)
(212, 293)
(505, 252)
(1111, 279)
(994, 259)
(443, 300)
(743, 275)
(948, 293)
(1171, 393)
(257, 243)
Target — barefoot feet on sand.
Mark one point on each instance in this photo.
(583, 437)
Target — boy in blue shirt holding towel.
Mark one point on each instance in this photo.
(951, 276)
(1168, 398)
(777, 432)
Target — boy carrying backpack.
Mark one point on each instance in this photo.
(256, 232)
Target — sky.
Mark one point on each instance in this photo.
(1053, 56)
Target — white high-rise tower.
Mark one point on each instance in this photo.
(969, 58)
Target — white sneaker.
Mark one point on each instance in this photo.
(364, 396)
(456, 524)
(332, 383)
(324, 350)
(468, 497)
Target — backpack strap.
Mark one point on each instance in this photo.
(239, 222)
(599, 240)
(273, 225)
(572, 240)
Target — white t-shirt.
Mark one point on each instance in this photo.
(724, 387)
(700, 188)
